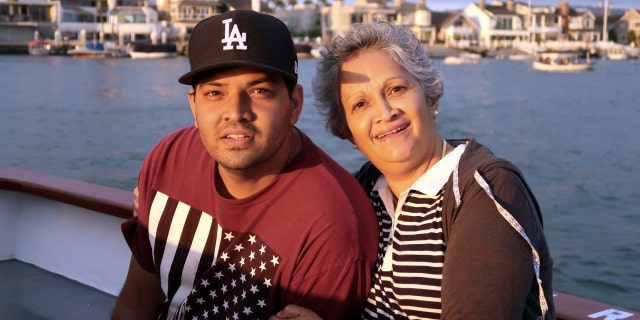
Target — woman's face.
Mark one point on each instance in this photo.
(388, 113)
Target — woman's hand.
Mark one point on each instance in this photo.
(135, 202)
(295, 312)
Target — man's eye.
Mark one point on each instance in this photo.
(261, 91)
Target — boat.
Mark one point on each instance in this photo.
(62, 255)
(315, 52)
(39, 47)
(617, 53)
(303, 51)
(146, 50)
(63, 236)
(520, 57)
(96, 50)
(562, 61)
(463, 58)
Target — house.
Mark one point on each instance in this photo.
(581, 26)
(457, 30)
(131, 23)
(21, 21)
(115, 25)
(302, 18)
(337, 18)
(627, 28)
(498, 23)
(185, 14)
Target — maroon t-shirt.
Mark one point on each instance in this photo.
(310, 238)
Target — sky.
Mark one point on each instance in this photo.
(441, 5)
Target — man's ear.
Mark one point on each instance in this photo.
(297, 98)
(191, 95)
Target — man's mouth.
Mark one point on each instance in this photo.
(236, 136)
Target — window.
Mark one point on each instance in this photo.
(503, 23)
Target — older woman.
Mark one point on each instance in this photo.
(460, 231)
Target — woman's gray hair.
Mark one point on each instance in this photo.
(403, 48)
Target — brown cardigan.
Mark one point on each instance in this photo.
(488, 269)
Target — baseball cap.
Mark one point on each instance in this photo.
(241, 38)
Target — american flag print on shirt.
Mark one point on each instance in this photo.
(234, 285)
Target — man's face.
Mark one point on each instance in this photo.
(244, 115)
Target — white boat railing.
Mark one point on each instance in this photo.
(72, 228)
(64, 226)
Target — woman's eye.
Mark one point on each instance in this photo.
(358, 105)
(397, 89)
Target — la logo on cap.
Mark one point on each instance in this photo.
(234, 36)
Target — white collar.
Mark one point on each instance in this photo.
(429, 183)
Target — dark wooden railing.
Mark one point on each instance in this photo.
(99, 198)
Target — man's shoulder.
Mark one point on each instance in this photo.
(316, 162)
(180, 149)
(183, 138)
(188, 132)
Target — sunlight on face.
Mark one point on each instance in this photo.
(244, 115)
(387, 112)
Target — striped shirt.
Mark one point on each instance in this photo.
(408, 280)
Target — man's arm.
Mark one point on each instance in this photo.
(141, 295)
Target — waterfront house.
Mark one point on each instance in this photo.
(509, 24)
(302, 19)
(22, 21)
(459, 31)
(337, 18)
(185, 14)
(498, 23)
(581, 26)
(627, 28)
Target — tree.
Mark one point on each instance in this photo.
(613, 36)
(631, 37)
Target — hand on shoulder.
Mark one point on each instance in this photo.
(295, 312)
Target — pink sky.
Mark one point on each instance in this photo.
(459, 4)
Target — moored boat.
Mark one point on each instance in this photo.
(303, 51)
(562, 61)
(146, 50)
(617, 53)
(39, 47)
(520, 57)
(315, 52)
(463, 58)
(96, 50)
(72, 228)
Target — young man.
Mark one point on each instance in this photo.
(242, 213)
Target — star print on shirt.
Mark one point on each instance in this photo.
(238, 285)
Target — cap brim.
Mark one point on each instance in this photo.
(190, 78)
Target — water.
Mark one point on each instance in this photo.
(573, 136)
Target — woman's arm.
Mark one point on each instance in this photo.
(488, 271)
